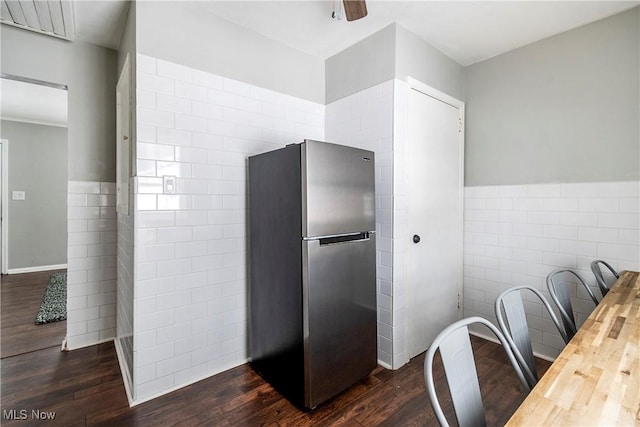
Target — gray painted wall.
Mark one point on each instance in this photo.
(128, 39)
(37, 165)
(418, 59)
(90, 73)
(181, 33)
(362, 65)
(392, 52)
(564, 109)
(128, 47)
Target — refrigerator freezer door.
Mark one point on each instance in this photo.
(339, 310)
(339, 196)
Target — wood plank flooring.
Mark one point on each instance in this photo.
(84, 388)
(21, 297)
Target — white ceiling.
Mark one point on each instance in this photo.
(100, 22)
(53, 17)
(466, 31)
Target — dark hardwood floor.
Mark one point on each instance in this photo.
(21, 297)
(84, 387)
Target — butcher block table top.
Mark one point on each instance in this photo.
(596, 378)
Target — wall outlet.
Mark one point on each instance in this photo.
(18, 195)
(169, 184)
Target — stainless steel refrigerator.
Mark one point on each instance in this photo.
(312, 269)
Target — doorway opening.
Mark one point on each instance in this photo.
(34, 214)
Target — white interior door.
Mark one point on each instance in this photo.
(435, 180)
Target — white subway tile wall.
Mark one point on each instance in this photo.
(91, 281)
(400, 224)
(516, 235)
(190, 308)
(125, 273)
(365, 120)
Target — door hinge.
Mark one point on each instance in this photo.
(459, 301)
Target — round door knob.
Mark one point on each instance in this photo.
(416, 238)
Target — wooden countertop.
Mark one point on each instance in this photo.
(596, 378)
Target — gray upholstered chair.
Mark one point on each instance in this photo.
(560, 295)
(604, 283)
(512, 321)
(460, 369)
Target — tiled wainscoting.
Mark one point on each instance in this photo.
(91, 291)
(365, 120)
(189, 312)
(190, 309)
(124, 309)
(518, 234)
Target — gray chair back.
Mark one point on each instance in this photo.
(560, 295)
(512, 321)
(603, 283)
(460, 369)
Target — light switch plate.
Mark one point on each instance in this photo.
(18, 195)
(169, 184)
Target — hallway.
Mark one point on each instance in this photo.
(21, 298)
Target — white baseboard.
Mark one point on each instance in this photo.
(123, 370)
(191, 381)
(495, 340)
(86, 344)
(385, 365)
(36, 269)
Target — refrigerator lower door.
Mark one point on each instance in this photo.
(339, 311)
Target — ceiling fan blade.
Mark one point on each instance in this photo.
(355, 9)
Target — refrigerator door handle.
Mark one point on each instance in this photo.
(332, 240)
